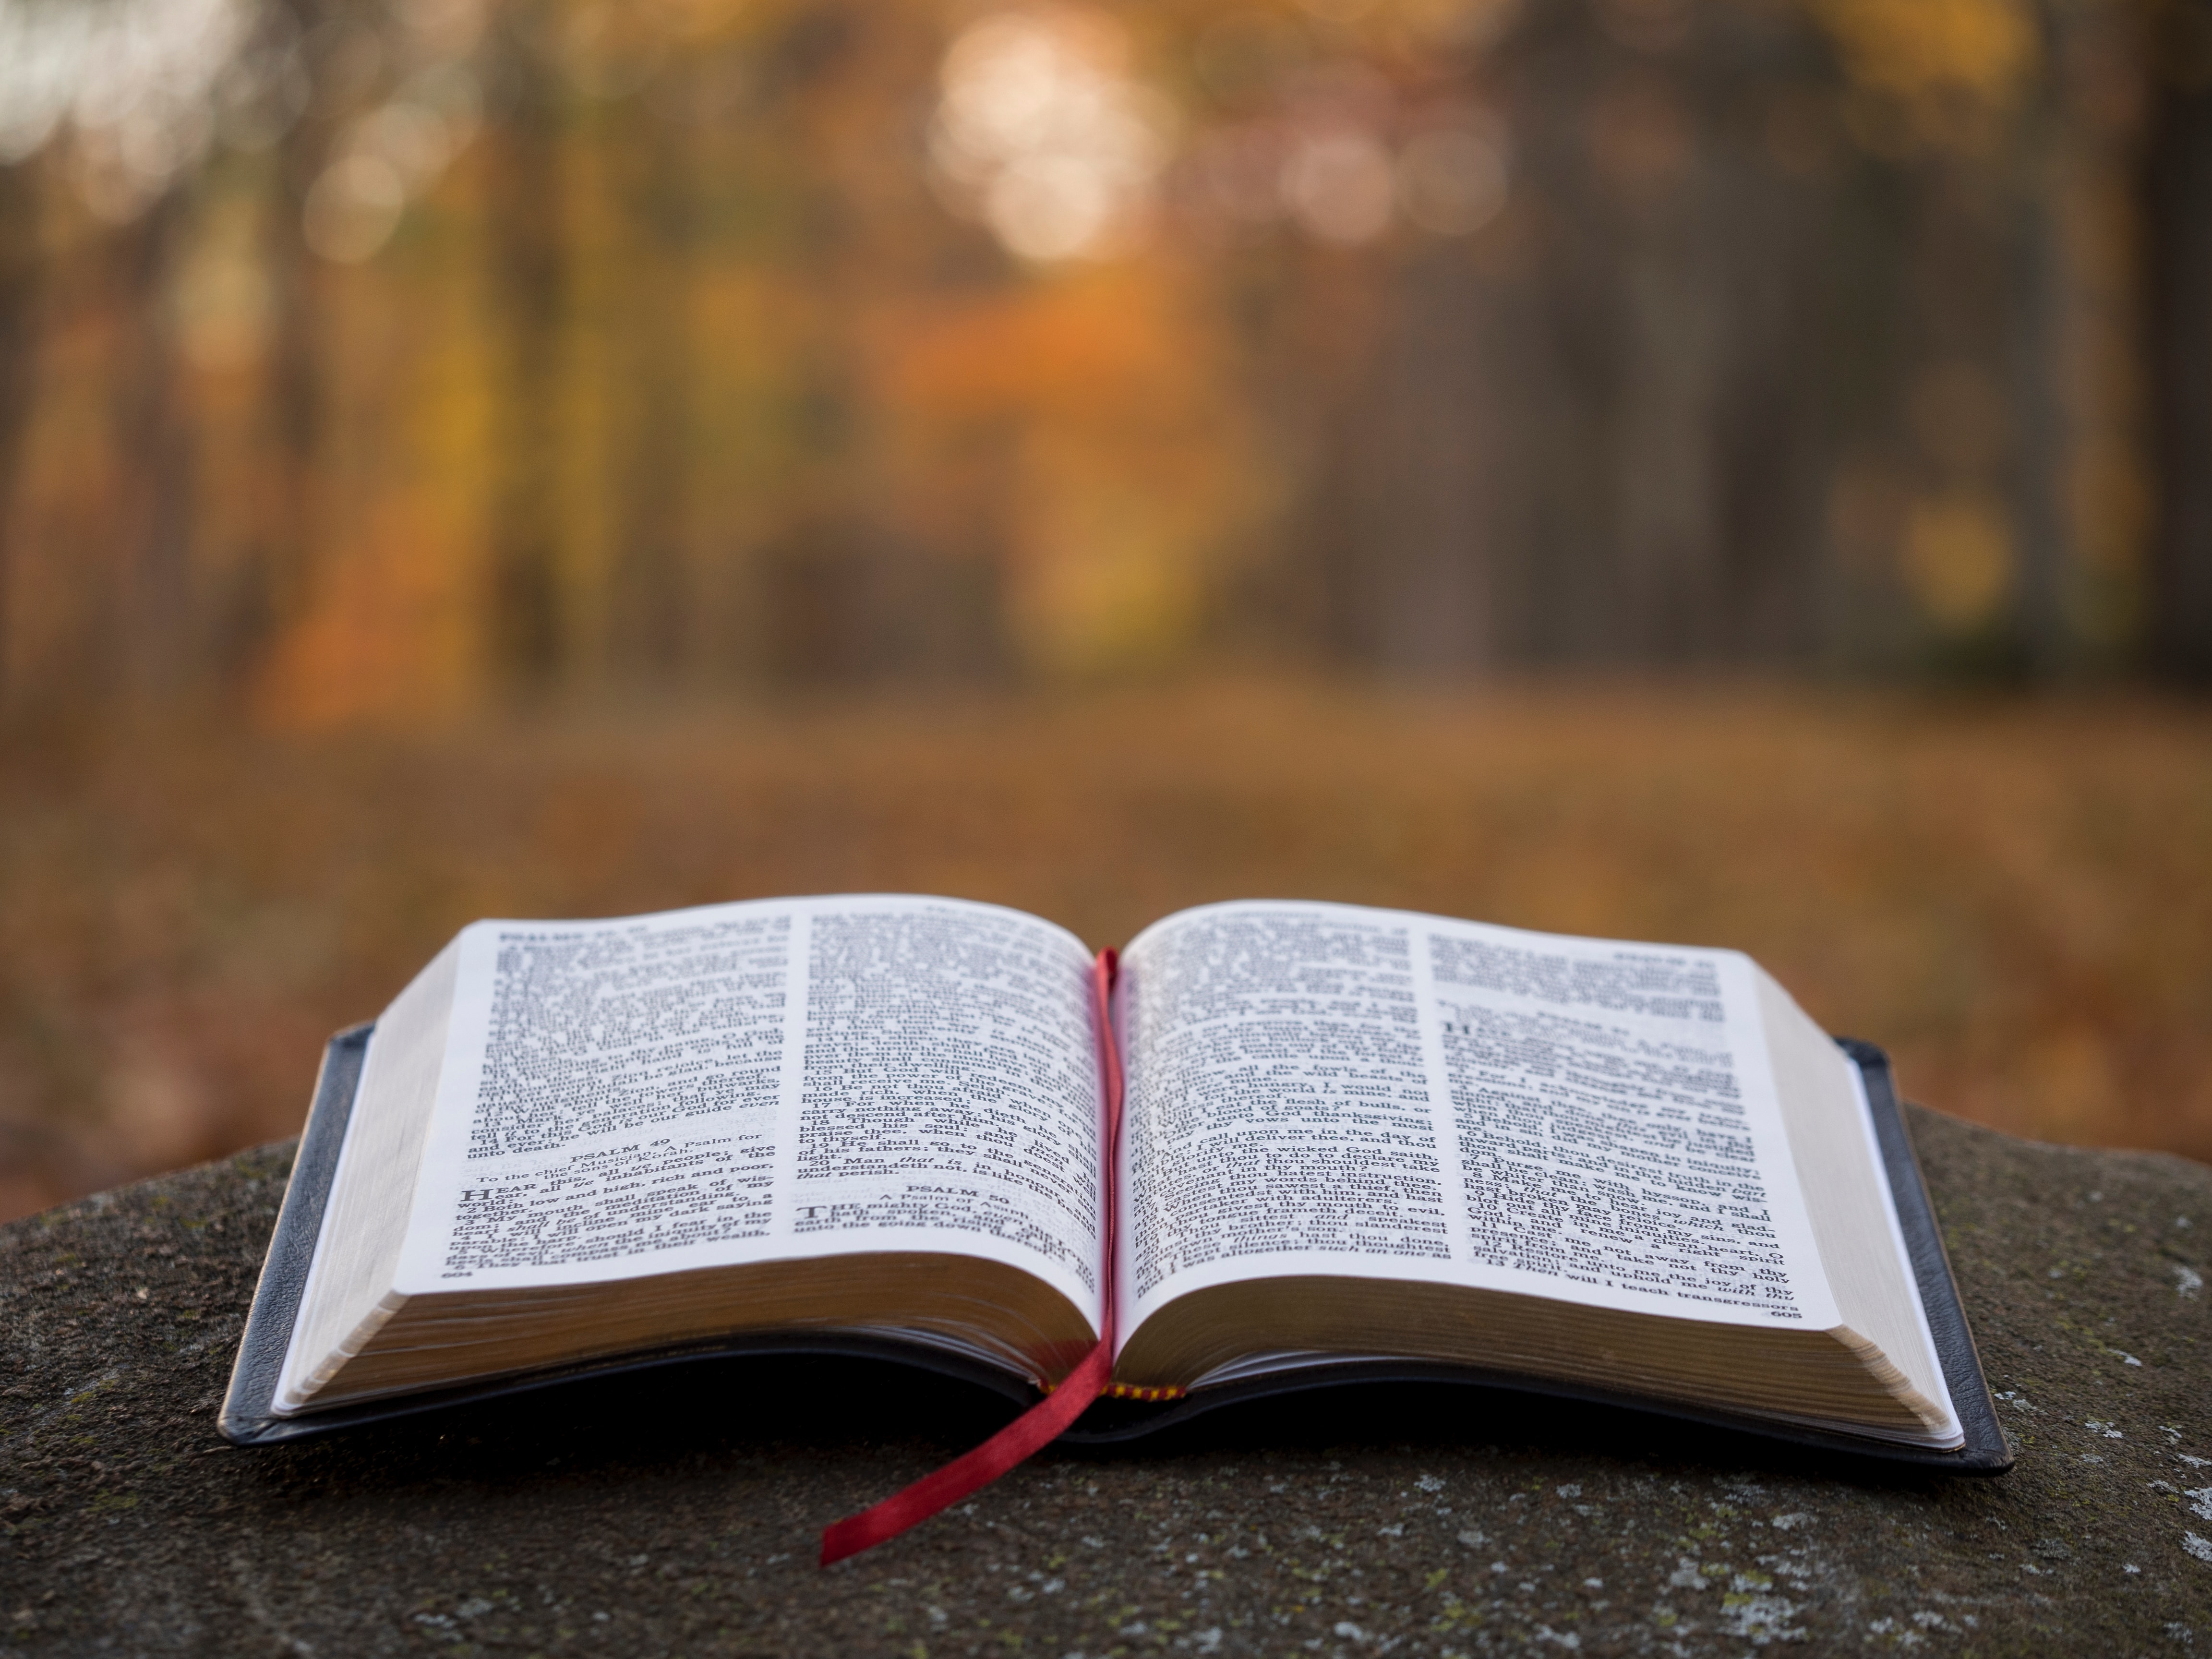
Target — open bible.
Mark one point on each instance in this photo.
(1352, 1142)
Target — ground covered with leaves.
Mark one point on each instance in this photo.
(2011, 895)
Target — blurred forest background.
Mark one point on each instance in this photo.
(1736, 470)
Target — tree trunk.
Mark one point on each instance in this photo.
(2178, 222)
(281, 582)
(155, 453)
(19, 273)
(530, 281)
(650, 598)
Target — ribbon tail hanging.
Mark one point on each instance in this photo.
(1042, 1423)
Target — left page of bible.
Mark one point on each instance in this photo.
(766, 1080)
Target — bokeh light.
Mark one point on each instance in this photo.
(1339, 183)
(133, 82)
(1042, 133)
(354, 208)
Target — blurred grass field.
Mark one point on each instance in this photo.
(2014, 896)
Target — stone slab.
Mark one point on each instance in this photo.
(676, 1514)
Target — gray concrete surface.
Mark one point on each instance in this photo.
(677, 1515)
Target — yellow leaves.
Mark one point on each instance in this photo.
(1917, 49)
(695, 21)
(1105, 581)
(1958, 556)
(1934, 75)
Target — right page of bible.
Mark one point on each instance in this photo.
(1321, 1089)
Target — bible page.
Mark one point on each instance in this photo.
(1320, 1089)
(750, 1082)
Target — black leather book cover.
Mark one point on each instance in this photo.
(247, 1419)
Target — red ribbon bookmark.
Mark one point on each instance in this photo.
(1034, 1430)
(1042, 1423)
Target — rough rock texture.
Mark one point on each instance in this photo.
(677, 1515)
